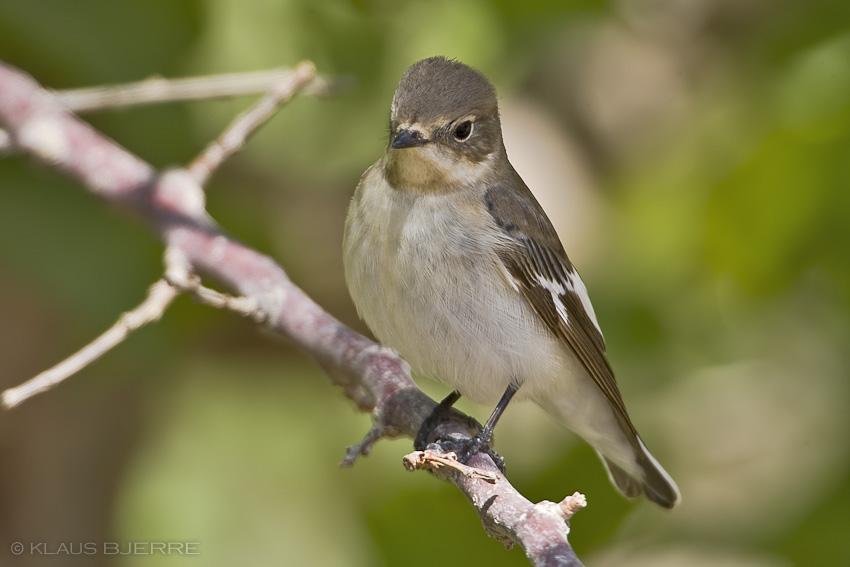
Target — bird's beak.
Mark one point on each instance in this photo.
(409, 139)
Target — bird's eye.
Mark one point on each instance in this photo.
(463, 130)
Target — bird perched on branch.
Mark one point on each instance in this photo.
(452, 262)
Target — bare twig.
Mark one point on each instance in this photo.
(572, 504)
(234, 137)
(244, 306)
(160, 296)
(362, 449)
(158, 89)
(372, 376)
(427, 460)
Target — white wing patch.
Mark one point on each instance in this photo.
(557, 290)
(575, 285)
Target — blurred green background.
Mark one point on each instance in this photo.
(695, 157)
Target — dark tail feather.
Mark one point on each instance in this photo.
(628, 486)
(654, 481)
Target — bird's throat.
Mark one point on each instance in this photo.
(429, 170)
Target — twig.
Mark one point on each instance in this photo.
(362, 449)
(245, 306)
(158, 89)
(572, 504)
(234, 137)
(427, 460)
(160, 296)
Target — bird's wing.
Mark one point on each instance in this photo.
(543, 273)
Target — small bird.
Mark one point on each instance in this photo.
(452, 263)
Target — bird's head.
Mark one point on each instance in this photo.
(444, 128)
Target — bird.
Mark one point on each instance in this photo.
(453, 264)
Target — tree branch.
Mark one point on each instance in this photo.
(159, 90)
(172, 204)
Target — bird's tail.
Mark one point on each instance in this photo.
(630, 465)
(650, 478)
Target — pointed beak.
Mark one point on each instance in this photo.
(409, 139)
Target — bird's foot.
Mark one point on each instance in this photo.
(465, 447)
(442, 412)
(461, 445)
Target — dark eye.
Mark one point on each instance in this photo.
(463, 130)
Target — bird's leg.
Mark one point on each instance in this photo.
(481, 441)
(487, 433)
(432, 420)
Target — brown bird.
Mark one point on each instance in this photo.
(452, 262)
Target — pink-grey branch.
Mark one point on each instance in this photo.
(172, 204)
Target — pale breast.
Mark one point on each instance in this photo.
(423, 273)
